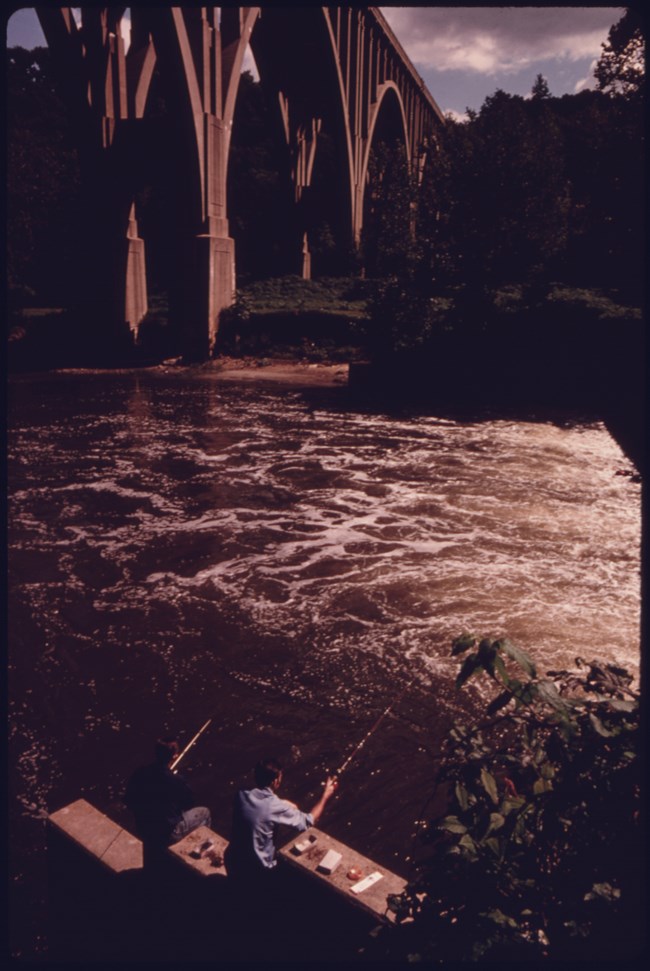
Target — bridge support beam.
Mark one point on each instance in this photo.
(98, 86)
(135, 296)
(338, 74)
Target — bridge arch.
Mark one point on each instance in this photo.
(388, 124)
(369, 84)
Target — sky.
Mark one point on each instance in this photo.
(464, 54)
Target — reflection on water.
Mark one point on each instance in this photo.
(181, 548)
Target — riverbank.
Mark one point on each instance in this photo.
(276, 370)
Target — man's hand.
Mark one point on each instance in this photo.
(330, 788)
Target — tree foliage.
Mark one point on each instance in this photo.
(538, 853)
(42, 179)
(525, 193)
(389, 245)
(621, 67)
(258, 195)
(508, 197)
(540, 88)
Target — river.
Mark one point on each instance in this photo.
(283, 560)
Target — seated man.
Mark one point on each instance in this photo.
(163, 804)
(256, 815)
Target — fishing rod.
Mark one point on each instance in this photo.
(373, 729)
(189, 745)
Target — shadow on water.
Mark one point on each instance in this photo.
(623, 416)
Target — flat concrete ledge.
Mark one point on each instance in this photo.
(352, 868)
(205, 866)
(106, 906)
(102, 839)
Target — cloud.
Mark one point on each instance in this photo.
(503, 40)
(587, 82)
(459, 116)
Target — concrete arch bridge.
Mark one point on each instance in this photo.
(330, 71)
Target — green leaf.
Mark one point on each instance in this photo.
(489, 784)
(462, 643)
(599, 727)
(468, 845)
(467, 670)
(546, 691)
(501, 669)
(512, 803)
(399, 905)
(461, 796)
(525, 693)
(499, 702)
(452, 824)
(493, 844)
(541, 785)
(496, 822)
(487, 653)
(603, 890)
(522, 659)
(500, 918)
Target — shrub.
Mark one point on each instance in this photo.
(538, 854)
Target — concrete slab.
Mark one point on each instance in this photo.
(114, 847)
(352, 868)
(205, 866)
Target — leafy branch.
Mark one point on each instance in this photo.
(537, 851)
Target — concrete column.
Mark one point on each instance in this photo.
(306, 258)
(215, 246)
(215, 261)
(135, 298)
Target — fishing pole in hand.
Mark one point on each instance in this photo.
(374, 728)
(189, 745)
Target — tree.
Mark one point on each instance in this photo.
(42, 179)
(436, 228)
(508, 197)
(540, 89)
(604, 166)
(389, 244)
(538, 854)
(621, 67)
(258, 195)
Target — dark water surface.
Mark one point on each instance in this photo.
(282, 561)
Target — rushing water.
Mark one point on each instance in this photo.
(283, 561)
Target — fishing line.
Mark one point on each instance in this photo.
(374, 728)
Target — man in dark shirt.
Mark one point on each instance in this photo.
(163, 804)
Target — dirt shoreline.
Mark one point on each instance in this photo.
(280, 371)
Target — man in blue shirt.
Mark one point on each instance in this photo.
(256, 815)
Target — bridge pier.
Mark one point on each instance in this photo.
(135, 296)
(346, 80)
(211, 287)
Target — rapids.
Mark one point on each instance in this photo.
(284, 560)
